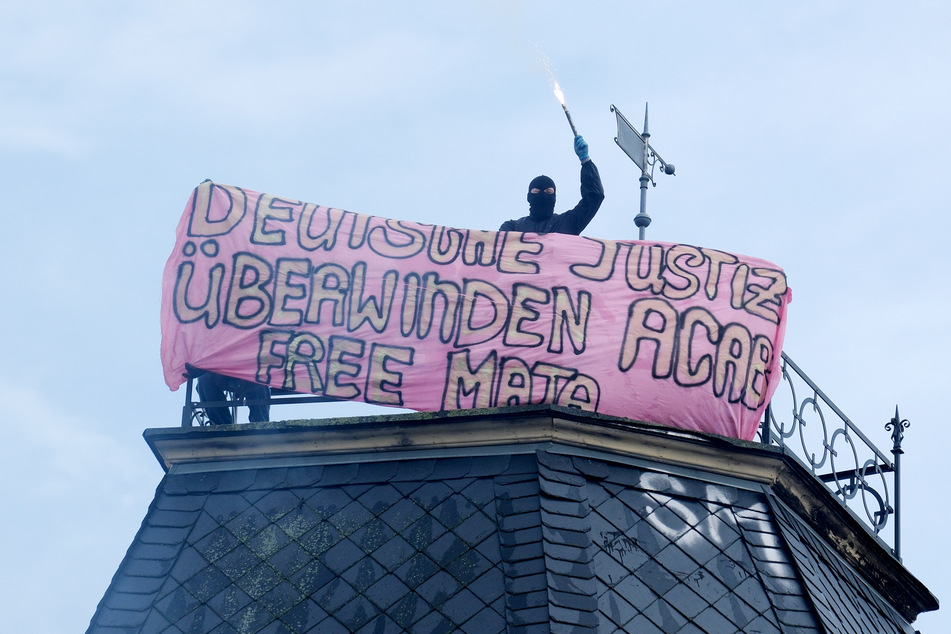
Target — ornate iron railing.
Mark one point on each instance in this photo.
(803, 420)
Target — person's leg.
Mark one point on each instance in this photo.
(260, 412)
(210, 389)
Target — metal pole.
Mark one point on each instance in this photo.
(897, 426)
(187, 408)
(642, 220)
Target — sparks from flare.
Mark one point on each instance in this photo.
(559, 93)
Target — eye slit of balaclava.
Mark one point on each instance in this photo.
(541, 205)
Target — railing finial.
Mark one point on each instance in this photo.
(897, 427)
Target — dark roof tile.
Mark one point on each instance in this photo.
(571, 477)
(414, 470)
(350, 518)
(594, 469)
(251, 618)
(584, 616)
(616, 608)
(552, 460)
(173, 519)
(409, 610)
(356, 613)
(527, 488)
(565, 537)
(207, 583)
(710, 620)
(476, 528)
(132, 606)
(276, 504)
(462, 605)
(520, 521)
(649, 480)
(374, 472)
(531, 616)
(392, 554)
(635, 591)
(523, 595)
(380, 623)
(490, 466)
(402, 514)
(229, 602)
(330, 625)
(561, 521)
(569, 584)
(687, 602)
(156, 622)
(452, 468)
(334, 595)
(342, 555)
(468, 566)
(303, 616)
(247, 524)
(608, 570)
(372, 535)
(508, 505)
(665, 616)
(176, 605)
(379, 498)
(674, 559)
(453, 511)
(522, 552)
(268, 479)
(338, 474)
(485, 621)
(489, 585)
(577, 569)
(515, 538)
(282, 598)
(304, 477)
(386, 591)
(560, 491)
(565, 552)
(191, 483)
(570, 508)
(435, 623)
(363, 574)
(259, 581)
(417, 570)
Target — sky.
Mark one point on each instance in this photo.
(812, 134)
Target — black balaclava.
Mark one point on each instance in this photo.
(541, 205)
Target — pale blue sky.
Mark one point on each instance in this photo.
(813, 135)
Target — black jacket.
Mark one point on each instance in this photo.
(573, 221)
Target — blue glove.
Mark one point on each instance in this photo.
(581, 148)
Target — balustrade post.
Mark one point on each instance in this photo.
(897, 427)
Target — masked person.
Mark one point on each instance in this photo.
(541, 216)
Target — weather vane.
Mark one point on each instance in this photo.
(635, 144)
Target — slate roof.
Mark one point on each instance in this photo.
(525, 537)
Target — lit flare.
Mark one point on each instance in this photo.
(561, 99)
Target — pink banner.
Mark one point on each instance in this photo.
(320, 300)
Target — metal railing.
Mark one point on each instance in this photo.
(804, 421)
(195, 411)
